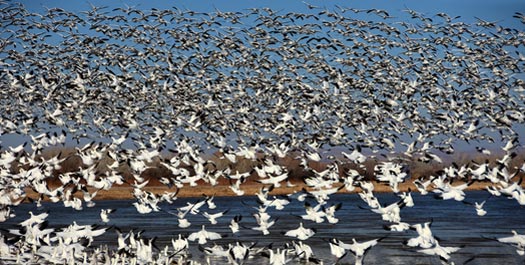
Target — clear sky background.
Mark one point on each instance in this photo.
(490, 10)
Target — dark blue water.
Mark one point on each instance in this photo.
(454, 223)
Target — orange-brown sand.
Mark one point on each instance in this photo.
(125, 191)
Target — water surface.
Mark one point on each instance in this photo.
(454, 223)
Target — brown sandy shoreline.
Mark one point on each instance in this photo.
(124, 192)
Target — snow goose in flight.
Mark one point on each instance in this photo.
(422, 185)
(425, 239)
(516, 240)
(234, 223)
(215, 250)
(213, 217)
(240, 253)
(397, 227)
(263, 221)
(5, 213)
(407, 198)
(142, 208)
(180, 244)
(330, 212)
(392, 173)
(314, 213)
(322, 195)
(278, 203)
(277, 257)
(359, 249)
(304, 252)
(34, 219)
(369, 198)
(181, 217)
(389, 213)
(478, 206)
(337, 250)
(203, 236)
(274, 180)
(355, 156)
(104, 214)
(437, 250)
(301, 232)
(236, 186)
(193, 208)
(446, 191)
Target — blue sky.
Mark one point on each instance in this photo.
(501, 10)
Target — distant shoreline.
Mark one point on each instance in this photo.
(124, 192)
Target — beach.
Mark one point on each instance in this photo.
(125, 192)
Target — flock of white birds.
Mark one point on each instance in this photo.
(342, 86)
